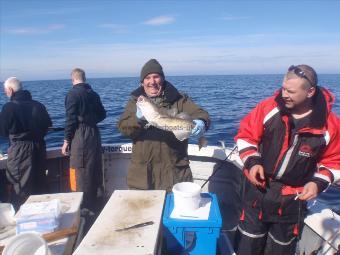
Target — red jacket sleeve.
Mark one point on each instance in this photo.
(329, 163)
(251, 130)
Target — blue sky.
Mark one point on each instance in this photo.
(46, 39)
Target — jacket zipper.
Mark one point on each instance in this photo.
(286, 158)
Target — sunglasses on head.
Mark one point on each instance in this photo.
(300, 73)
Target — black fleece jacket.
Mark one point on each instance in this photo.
(83, 105)
(24, 119)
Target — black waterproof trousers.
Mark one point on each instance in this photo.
(270, 222)
(26, 169)
(86, 164)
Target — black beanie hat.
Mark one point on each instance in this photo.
(152, 66)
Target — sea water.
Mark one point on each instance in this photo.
(227, 98)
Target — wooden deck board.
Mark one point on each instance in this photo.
(126, 208)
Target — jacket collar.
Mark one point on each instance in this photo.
(322, 106)
(170, 93)
(21, 95)
(82, 85)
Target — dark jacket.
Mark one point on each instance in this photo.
(25, 122)
(24, 119)
(82, 105)
(159, 160)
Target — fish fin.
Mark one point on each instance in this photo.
(172, 112)
(202, 142)
(180, 135)
(184, 116)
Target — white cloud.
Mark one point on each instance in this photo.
(193, 55)
(160, 20)
(34, 30)
(115, 28)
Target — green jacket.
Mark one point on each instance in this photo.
(158, 160)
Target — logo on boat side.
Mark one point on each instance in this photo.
(305, 151)
(117, 149)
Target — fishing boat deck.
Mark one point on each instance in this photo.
(325, 223)
(124, 209)
(70, 217)
(225, 183)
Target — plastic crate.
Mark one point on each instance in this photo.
(194, 237)
(41, 217)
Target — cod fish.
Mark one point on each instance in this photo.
(179, 124)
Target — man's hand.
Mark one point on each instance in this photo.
(310, 191)
(256, 176)
(199, 128)
(65, 148)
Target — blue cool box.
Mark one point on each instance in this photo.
(194, 237)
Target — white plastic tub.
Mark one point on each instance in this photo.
(27, 244)
(6, 215)
(187, 196)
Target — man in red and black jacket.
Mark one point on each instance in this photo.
(290, 146)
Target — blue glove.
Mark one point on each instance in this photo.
(199, 128)
(139, 113)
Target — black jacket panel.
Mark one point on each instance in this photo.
(83, 105)
(24, 119)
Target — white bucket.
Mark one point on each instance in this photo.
(6, 215)
(187, 196)
(27, 243)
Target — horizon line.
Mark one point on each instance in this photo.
(183, 75)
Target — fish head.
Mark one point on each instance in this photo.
(143, 102)
(148, 109)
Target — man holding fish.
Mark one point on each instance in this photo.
(159, 120)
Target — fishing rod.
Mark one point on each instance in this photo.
(56, 129)
(231, 152)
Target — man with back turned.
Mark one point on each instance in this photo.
(25, 122)
(290, 147)
(84, 110)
